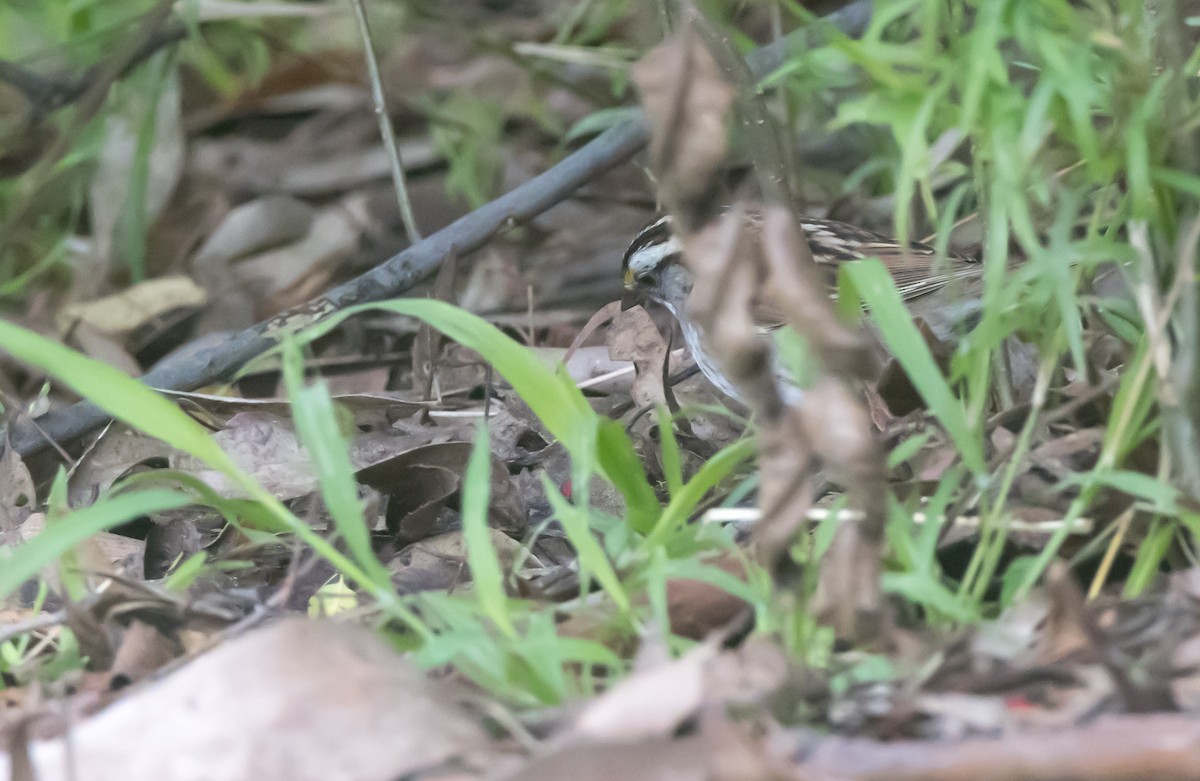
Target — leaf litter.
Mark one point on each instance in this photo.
(179, 680)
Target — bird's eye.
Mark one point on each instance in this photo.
(645, 279)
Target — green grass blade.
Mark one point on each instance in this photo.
(671, 459)
(119, 395)
(317, 428)
(877, 289)
(130, 401)
(551, 395)
(684, 502)
(592, 560)
(619, 461)
(63, 534)
(486, 572)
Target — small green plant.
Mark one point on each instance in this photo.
(477, 633)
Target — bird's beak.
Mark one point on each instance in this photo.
(630, 298)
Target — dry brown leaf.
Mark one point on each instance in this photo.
(440, 562)
(277, 277)
(494, 284)
(696, 608)
(370, 410)
(263, 446)
(725, 257)
(848, 596)
(122, 312)
(687, 100)
(252, 227)
(101, 553)
(634, 337)
(105, 348)
(198, 206)
(143, 650)
(294, 701)
(18, 496)
(421, 481)
(649, 703)
(794, 287)
(347, 170)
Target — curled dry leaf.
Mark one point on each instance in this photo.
(742, 268)
(687, 100)
(280, 276)
(250, 228)
(18, 495)
(104, 348)
(795, 289)
(727, 264)
(787, 482)
(265, 447)
(634, 337)
(198, 205)
(839, 429)
(143, 649)
(421, 481)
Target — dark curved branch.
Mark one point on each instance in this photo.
(403, 271)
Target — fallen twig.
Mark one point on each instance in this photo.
(1114, 748)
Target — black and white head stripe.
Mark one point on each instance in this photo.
(831, 243)
(653, 245)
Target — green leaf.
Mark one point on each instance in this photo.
(120, 396)
(671, 459)
(620, 463)
(317, 428)
(592, 560)
(486, 572)
(1150, 555)
(599, 121)
(59, 537)
(550, 394)
(876, 287)
(130, 401)
(684, 502)
(925, 589)
(186, 573)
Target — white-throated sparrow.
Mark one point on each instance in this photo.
(943, 292)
